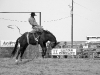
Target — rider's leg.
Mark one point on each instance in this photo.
(33, 31)
(39, 28)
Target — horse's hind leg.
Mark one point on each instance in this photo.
(18, 55)
(22, 52)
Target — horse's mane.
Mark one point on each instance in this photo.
(46, 31)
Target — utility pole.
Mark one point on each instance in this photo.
(72, 25)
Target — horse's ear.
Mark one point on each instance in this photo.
(55, 44)
(58, 43)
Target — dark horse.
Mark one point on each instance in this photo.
(28, 38)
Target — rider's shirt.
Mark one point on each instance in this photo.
(32, 21)
(34, 24)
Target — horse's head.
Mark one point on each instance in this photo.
(50, 37)
(53, 44)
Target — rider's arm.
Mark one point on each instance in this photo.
(32, 21)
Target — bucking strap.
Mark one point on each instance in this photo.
(27, 38)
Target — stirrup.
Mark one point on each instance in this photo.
(36, 39)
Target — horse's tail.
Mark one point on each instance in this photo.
(15, 48)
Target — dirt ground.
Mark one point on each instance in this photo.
(49, 66)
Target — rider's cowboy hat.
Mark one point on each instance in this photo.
(33, 14)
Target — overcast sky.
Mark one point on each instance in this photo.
(55, 17)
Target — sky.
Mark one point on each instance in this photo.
(55, 17)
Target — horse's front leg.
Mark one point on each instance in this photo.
(44, 49)
(44, 52)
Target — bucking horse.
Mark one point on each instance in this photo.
(28, 38)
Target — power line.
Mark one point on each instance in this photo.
(12, 20)
(83, 6)
(44, 21)
(97, 13)
(86, 18)
(87, 9)
(57, 19)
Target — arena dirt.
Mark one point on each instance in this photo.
(49, 66)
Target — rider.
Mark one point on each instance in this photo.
(34, 24)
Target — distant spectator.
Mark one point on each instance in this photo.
(65, 45)
(81, 49)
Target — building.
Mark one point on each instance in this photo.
(93, 39)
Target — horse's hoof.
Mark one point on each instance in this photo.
(16, 61)
(20, 59)
(12, 56)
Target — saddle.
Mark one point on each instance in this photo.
(36, 36)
